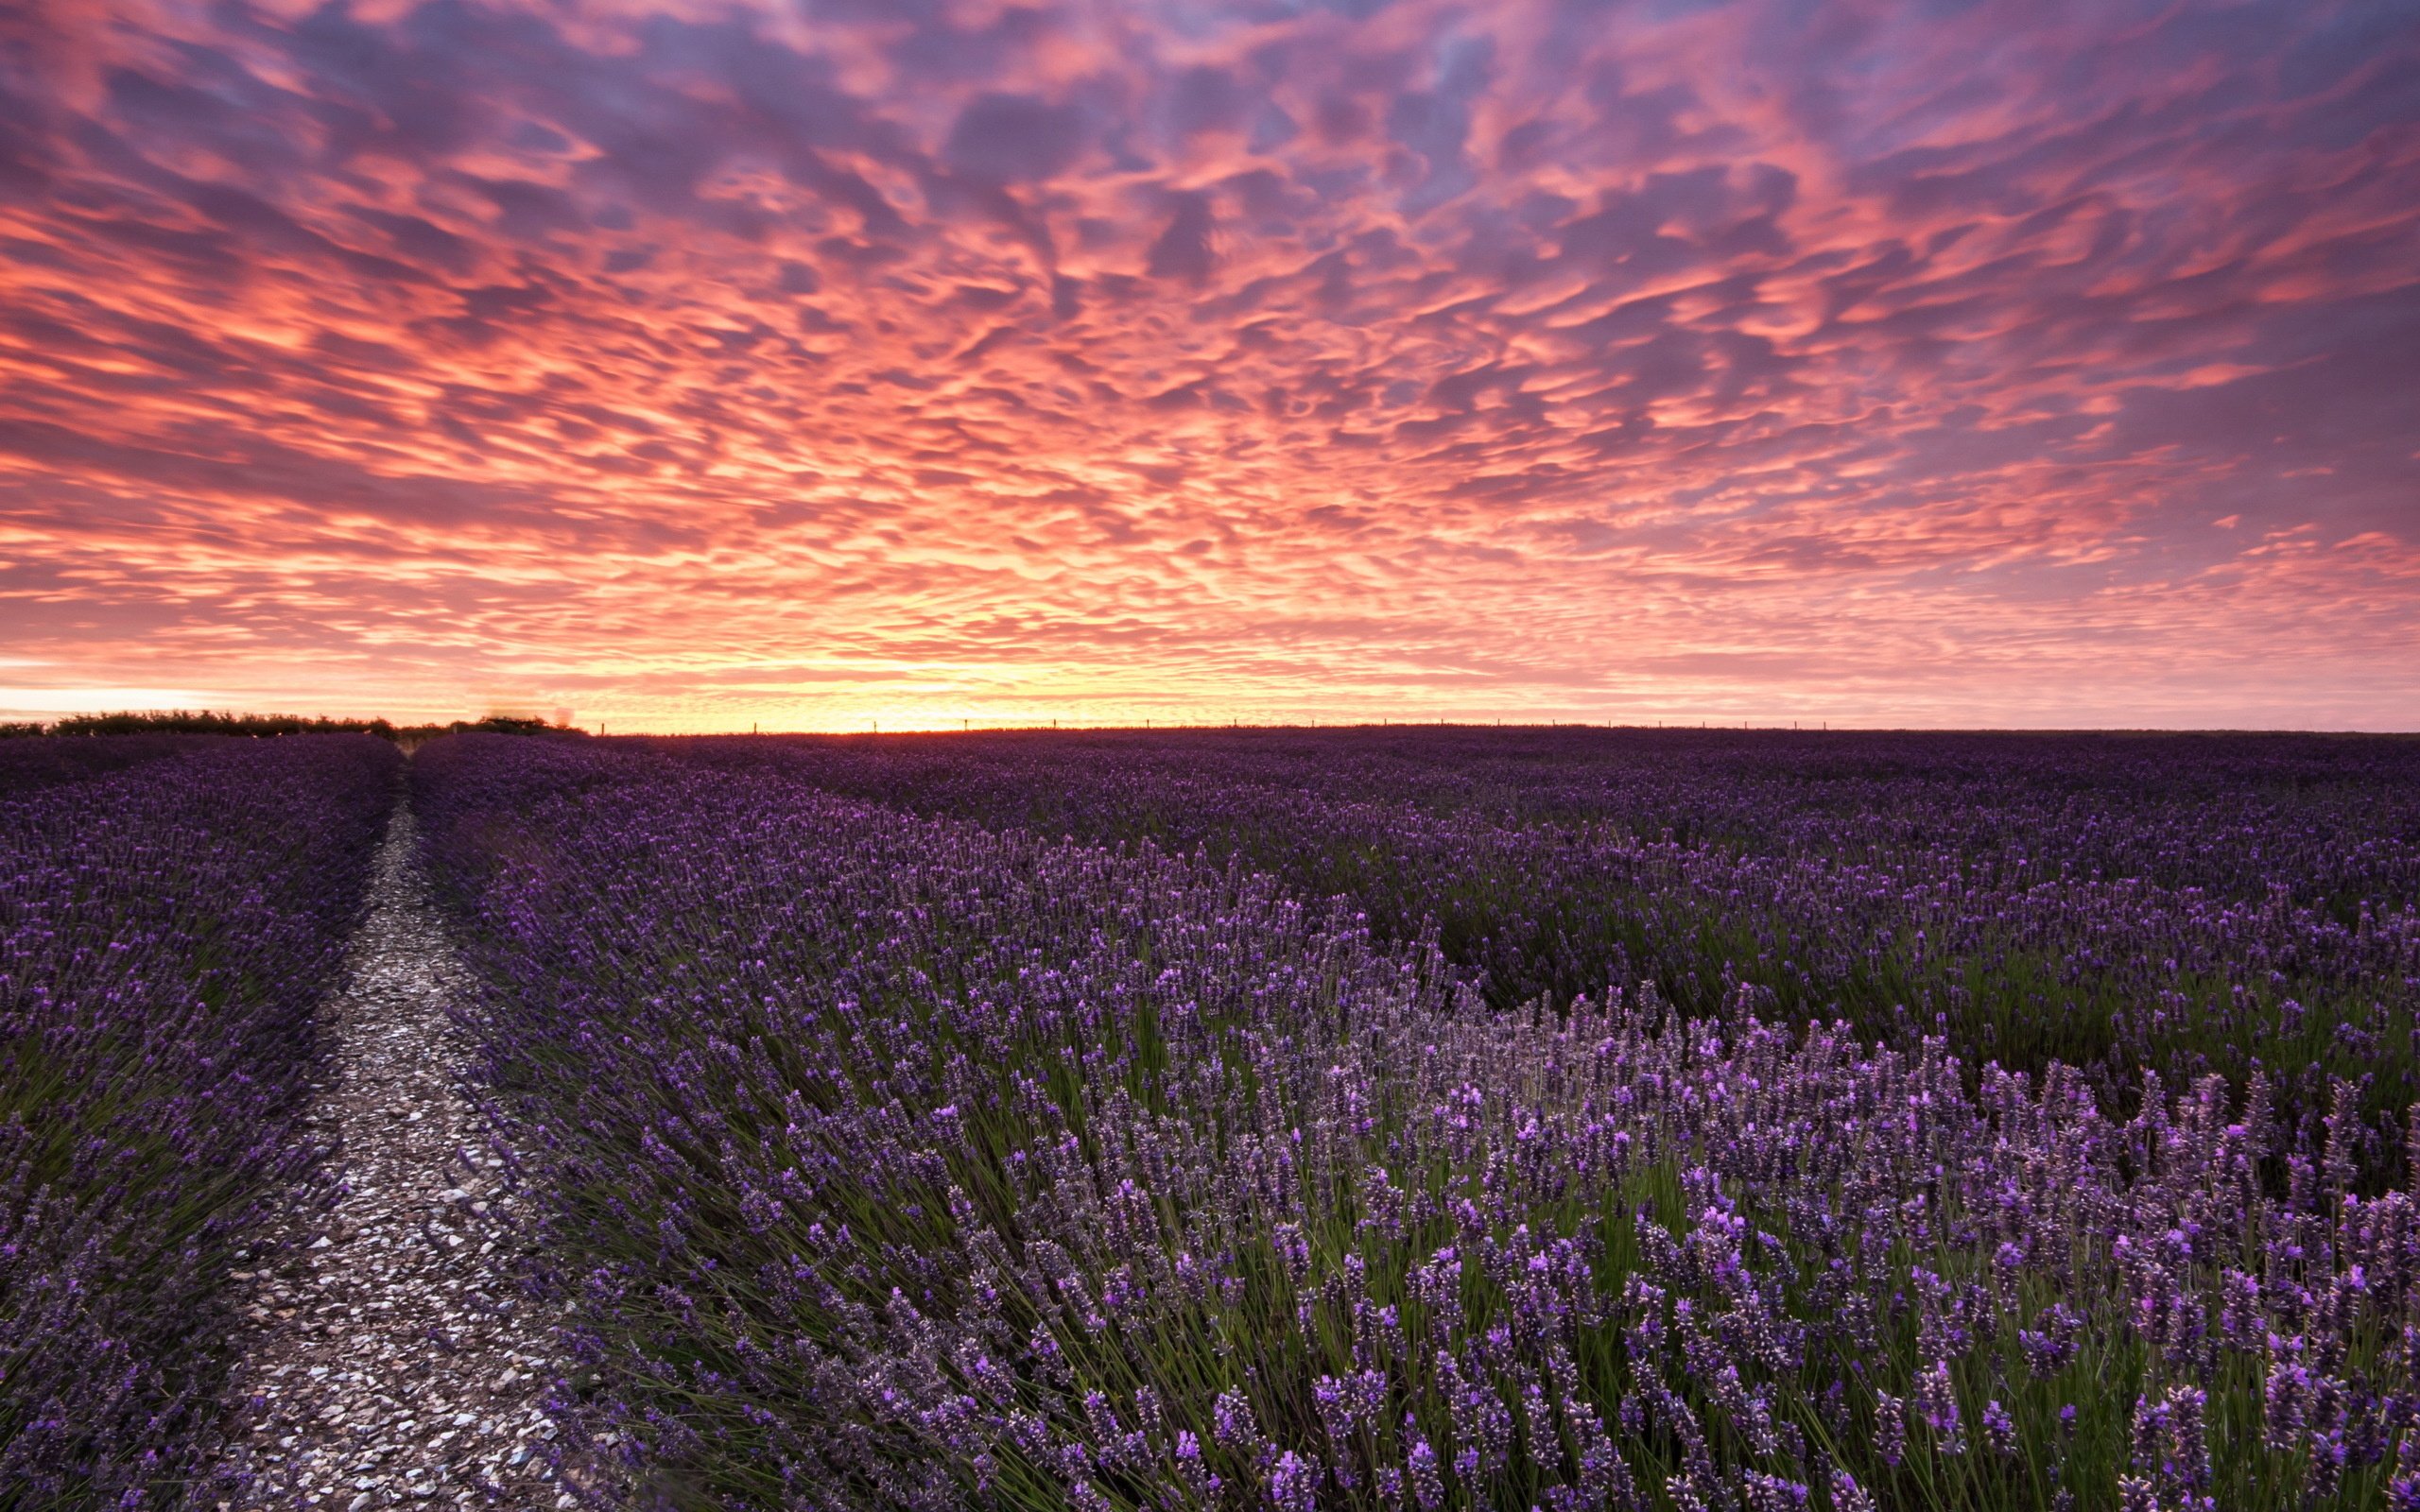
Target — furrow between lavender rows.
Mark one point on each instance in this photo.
(393, 1358)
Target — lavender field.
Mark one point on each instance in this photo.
(1364, 1119)
(171, 912)
(1423, 1119)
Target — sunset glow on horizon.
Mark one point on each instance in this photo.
(914, 362)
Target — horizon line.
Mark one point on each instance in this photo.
(873, 728)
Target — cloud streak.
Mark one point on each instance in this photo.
(1993, 363)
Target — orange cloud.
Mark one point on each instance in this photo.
(693, 365)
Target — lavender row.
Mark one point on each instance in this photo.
(2184, 904)
(164, 932)
(894, 1162)
(30, 762)
(2334, 818)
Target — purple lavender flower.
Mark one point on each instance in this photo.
(1937, 1401)
(1294, 1483)
(1234, 1427)
(1197, 1478)
(1999, 1429)
(1427, 1484)
(1847, 1495)
(1890, 1428)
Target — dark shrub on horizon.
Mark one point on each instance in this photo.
(207, 722)
(80, 727)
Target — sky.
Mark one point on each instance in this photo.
(907, 362)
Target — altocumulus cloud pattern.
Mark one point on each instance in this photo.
(1627, 358)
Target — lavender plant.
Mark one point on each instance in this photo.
(30, 762)
(2183, 904)
(165, 931)
(895, 1163)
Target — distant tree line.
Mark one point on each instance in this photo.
(209, 722)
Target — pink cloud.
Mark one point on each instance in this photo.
(1264, 358)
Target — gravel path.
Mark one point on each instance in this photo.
(394, 1359)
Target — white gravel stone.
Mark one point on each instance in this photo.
(408, 1321)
